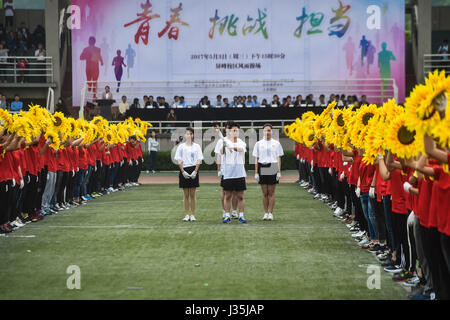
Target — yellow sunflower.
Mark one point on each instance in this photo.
(54, 136)
(422, 115)
(401, 141)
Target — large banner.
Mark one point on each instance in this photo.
(163, 40)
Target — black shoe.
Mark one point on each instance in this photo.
(387, 263)
(375, 248)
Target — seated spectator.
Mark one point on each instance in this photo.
(363, 100)
(163, 104)
(16, 105)
(264, 103)
(219, 103)
(275, 101)
(61, 107)
(171, 117)
(3, 65)
(182, 103)
(123, 107)
(249, 102)
(289, 101)
(332, 98)
(284, 104)
(240, 102)
(235, 101)
(175, 102)
(310, 101)
(11, 42)
(255, 102)
(135, 104)
(204, 103)
(322, 102)
(342, 102)
(145, 101)
(298, 101)
(355, 101)
(25, 32)
(150, 103)
(225, 103)
(3, 104)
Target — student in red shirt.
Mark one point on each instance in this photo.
(436, 235)
(393, 171)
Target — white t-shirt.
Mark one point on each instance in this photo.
(218, 150)
(268, 151)
(8, 9)
(189, 155)
(234, 161)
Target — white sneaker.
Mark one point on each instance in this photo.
(14, 225)
(192, 218)
(234, 215)
(153, 171)
(266, 216)
(363, 242)
(317, 196)
(186, 218)
(147, 172)
(358, 234)
(270, 217)
(19, 223)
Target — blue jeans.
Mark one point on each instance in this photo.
(113, 174)
(83, 181)
(387, 204)
(151, 161)
(368, 213)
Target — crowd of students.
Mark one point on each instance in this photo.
(62, 163)
(384, 172)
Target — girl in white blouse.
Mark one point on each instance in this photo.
(189, 156)
(268, 153)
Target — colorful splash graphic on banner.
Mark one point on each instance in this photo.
(168, 40)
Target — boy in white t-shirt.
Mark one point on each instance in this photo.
(234, 173)
(220, 158)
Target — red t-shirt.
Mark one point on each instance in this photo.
(6, 171)
(354, 171)
(83, 158)
(441, 202)
(50, 160)
(398, 193)
(380, 185)
(29, 158)
(366, 173)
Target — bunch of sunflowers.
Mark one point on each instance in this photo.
(395, 128)
(58, 128)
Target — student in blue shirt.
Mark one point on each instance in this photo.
(219, 103)
(249, 102)
(182, 102)
(16, 105)
(256, 104)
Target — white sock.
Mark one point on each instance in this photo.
(227, 214)
(241, 214)
(234, 212)
(223, 213)
(270, 212)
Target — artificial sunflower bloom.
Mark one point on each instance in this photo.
(401, 141)
(59, 122)
(442, 131)
(426, 101)
(54, 136)
(6, 119)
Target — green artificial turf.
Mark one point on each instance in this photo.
(133, 245)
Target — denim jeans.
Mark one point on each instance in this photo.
(83, 182)
(77, 185)
(49, 190)
(115, 167)
(368, 213)
(151, 160)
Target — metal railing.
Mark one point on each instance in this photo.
(432, 62)
(20, 69)
(376, 90)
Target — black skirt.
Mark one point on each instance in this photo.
(268, 179)
(188, 183)
(237, 184)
